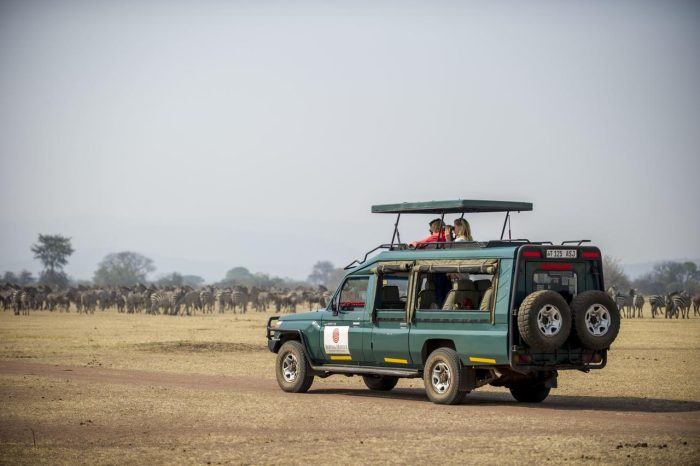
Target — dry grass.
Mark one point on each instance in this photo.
(641, 408)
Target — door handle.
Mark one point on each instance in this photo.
(403, 325)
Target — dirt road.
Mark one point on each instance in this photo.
(616, 427)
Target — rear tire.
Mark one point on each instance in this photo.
(544, 320)
(292, 369)
(529, 393)
(443, 375)
(596, 319)
(380, 383)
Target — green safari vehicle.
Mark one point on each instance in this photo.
(506, 312)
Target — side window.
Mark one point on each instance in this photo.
(353, 295)
(393, 291)
(454, 292)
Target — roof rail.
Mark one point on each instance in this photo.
(577, 241)
(391, 247)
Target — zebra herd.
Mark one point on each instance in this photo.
(154, 300)
(676, 304)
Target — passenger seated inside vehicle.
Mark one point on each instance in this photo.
(462, 296)
(487, 295)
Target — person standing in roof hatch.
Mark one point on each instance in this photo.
(437, 234)
(463, 231)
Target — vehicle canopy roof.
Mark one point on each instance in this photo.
(452, 207)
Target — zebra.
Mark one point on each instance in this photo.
(239, 297)
(682, 302)
(207, 299)
(657, 302)
(696, 304)
(623, 302)
(637, 302)
(192, 301)
(223, 297)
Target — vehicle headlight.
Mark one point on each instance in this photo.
(277, 323)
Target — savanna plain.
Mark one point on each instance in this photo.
(114, 388)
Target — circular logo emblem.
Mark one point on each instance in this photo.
(336, 335)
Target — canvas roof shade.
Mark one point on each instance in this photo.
(452, 207)
(475, 266)
(393, 266)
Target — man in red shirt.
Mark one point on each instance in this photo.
(437, 234)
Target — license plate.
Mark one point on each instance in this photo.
(561, 253)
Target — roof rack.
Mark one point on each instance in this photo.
(391, 247)
(577, 241)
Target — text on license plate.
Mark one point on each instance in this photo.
(561, 253)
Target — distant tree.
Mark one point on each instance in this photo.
(320, 272)
(53, 252)
(670, 276)
(237, 276)
(614, 274)
(10, 278)
(195, 281)
(25, 278)
(171, 279)
(124, 268)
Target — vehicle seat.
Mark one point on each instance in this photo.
(426, 298)
(486, 300)
(391, 298)
(482, 285)
(463, 295)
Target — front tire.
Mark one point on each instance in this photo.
(292, 369)
(443, 376)
(380, 383)
(529, 393)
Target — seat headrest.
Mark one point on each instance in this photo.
(483, 285)
(390, 293)
(464, 285)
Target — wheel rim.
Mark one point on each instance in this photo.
(549, 320)
(289, 367)
(441, 377)
(597, 320)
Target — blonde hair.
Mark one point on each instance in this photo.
(462, 229)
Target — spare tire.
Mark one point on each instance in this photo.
(596, 319)
(544, 320)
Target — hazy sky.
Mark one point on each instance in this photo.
(209, 134)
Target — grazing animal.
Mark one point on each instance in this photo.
(657, 302)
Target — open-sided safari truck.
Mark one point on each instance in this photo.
(507, 312)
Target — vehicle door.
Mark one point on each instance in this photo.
(390, 327)
(346, 322)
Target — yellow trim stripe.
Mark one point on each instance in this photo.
(487, 360)
(341, 358)
(396, 361)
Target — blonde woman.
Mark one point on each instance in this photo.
(463, 231)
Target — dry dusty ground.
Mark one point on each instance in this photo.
(112, 389)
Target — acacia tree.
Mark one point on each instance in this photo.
(124, 268)
(53, 252)
(321, 272)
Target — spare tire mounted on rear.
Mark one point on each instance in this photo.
(544, 320)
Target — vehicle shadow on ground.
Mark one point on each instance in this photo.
(591, 403)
